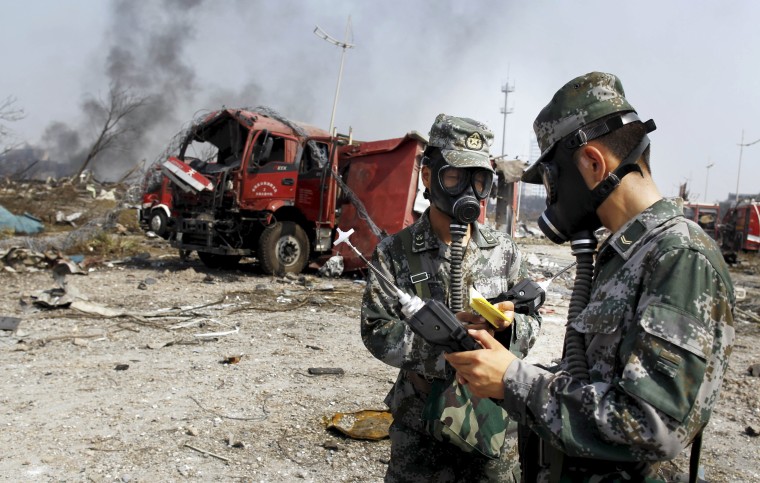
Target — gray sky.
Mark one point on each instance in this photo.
(692, 66)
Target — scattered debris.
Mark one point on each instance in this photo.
(751, 432)
(754, 370)
(56, 298)
(25, 224)
(159, 345)
(209, 453)
(121, 367)
(315, 347)
(62, 219)
(234, 443)
(9, 323)
(231, 359)
(211, 335)
(319, 371)
(365, 424)
(747, 314)
(96, 309)
(333, 267)
(143, 285)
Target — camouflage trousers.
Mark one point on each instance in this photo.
(417, 457)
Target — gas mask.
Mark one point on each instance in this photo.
(457, 192)
(570, 205)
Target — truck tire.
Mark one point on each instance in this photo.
(213, 260)
(283, 248)
(159, 223)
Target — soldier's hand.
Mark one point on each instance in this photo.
(474, 321)
(508, 308)
(482, 370)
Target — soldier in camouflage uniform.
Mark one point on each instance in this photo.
(418, 259)
(658, 329)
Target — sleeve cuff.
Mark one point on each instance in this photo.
(518, 380)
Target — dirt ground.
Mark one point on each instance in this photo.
(203, 375)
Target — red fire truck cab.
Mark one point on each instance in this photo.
(250, 183)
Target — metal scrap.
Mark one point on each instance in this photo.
(365, 424)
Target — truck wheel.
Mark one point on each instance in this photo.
(213, 260)
(283, 248)
(159, 223)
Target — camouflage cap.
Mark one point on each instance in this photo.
(578, 103)
(463, 142)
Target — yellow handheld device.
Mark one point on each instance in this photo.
(486, 309)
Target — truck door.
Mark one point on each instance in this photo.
(317, 190)
(314, 182)
(270, 174)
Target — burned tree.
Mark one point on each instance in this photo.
(8, 113)
(112, 117)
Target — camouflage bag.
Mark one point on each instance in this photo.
(453, 415)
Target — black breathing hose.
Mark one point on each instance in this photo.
(583, 246)
(456, 301)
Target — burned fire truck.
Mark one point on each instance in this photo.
(707, 216)
(250, 183)
(740, 230)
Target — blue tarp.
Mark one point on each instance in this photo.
(25, 224)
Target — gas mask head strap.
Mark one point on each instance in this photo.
(627, 165)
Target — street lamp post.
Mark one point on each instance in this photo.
(506, 89)
(739, 172)
(707, 177)
(343, 45)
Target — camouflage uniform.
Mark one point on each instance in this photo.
(493, 264)
(658, 332)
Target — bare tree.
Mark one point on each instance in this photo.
(112, 117)
(8, 113)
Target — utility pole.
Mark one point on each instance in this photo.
(505, 194)
(738, 174)
(343, 45)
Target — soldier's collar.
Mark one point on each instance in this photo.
(629, 235)
(424, 238)
(482, 236)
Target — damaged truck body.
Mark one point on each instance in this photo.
(250, 183)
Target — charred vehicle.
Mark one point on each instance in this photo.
(250, 183)
(706, 216)
(739, 231)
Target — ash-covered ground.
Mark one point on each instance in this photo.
(164, 370)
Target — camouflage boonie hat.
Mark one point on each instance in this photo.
(578, 103)
(463, 142)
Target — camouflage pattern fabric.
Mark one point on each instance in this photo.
(463, 142)
(578, 103)
(581, 101)
(658, 332)
(453, 415)
(493, 264)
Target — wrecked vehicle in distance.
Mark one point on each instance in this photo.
(251, 183)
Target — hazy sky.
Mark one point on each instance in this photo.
(692, 66)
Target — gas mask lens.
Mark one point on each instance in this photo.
(456, 180)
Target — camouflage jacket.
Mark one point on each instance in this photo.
(658, 331)
(492, 263)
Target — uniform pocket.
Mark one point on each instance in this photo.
(668, 360)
